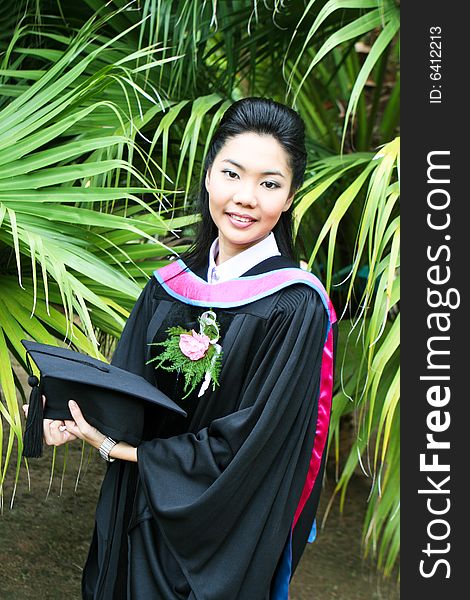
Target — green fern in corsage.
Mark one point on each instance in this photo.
(197, 355)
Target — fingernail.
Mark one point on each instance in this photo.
(72, 404)
(62, 427)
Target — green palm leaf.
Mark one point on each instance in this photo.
(58, 211)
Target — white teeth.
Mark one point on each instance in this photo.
(241, 219)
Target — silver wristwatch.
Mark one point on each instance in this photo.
(105, 448)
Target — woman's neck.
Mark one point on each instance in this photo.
(228, 251)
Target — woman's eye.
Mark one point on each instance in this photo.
(271, 185)
(230, 174)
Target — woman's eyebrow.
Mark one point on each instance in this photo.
(242, 168)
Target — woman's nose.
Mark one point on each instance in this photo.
(245, 195)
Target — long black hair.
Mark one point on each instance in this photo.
(261, 116)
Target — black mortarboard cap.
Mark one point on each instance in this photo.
(111, 399)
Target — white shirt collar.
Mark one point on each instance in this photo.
(240, 263)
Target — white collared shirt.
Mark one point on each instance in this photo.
(240, 263)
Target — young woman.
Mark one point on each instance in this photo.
(219, 505)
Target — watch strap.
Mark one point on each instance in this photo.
(105, 448)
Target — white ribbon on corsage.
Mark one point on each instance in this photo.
(208, 319)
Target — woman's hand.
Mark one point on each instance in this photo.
(83, 430)
(55, 431)
(80, 428)
(56, 434)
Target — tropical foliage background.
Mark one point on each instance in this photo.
(105, 111)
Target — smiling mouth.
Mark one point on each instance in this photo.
(240, 218)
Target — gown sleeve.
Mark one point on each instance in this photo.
(224, 498)
(131, 349)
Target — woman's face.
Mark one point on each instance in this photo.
(249, 188)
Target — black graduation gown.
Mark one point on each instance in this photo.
(207, 513)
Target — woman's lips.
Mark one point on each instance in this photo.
(240, 221)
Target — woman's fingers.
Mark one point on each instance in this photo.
(47, 431)
(81, 428)
(68, 436)
(74, 429)
(56, 433)
(78, 417)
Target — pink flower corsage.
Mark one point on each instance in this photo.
(197, 355)
(194, 345)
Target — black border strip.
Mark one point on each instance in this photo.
(435, 397)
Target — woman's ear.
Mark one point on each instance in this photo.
(289, 201)
(207, 178)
